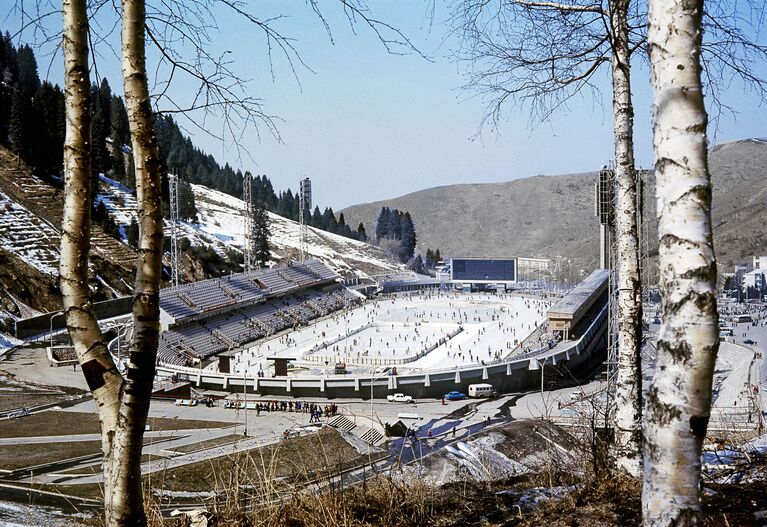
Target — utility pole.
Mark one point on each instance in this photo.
(304, 208)
(249, 243)
(173, 198)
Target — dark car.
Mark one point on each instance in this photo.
(455, 396)
(748, 341)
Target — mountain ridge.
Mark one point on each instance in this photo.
(553, 215)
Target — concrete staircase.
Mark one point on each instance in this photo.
(372, 436)
(342, 422)
(46, 201)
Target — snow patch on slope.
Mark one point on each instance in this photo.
(28, 237)
(221, 223)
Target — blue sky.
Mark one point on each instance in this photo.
(366, 125)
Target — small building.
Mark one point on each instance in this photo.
(759, 262)
(754, 282)
(405, 282)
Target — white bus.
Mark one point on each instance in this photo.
(482, 390)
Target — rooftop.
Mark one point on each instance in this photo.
(570, 305)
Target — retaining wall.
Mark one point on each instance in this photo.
(563, 364)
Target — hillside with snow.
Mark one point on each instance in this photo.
(220, 226)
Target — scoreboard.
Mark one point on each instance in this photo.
(483, 269)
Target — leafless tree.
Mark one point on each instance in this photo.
(542, 54)
(123, 401)
(679, 399)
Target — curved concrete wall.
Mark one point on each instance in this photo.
(563, 363)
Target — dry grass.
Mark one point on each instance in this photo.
(29, 455)
(12, 401)
(268, 470)
(208, 444)
(58, 423)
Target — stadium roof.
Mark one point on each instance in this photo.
(574, 303)
(482, 258)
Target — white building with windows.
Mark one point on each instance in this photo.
(756, 279)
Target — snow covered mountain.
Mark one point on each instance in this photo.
(220, 226)
(31, 209)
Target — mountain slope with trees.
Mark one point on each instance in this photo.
(32, 124)
(554, 215)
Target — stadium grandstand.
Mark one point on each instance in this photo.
(580, 306)
(202, 319)
(405, 281)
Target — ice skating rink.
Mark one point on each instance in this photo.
(420, 332)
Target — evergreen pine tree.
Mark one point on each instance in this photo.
(261, 233)
(19, 119)
(382, 224)
(329, 222)
(417, 265)
(187, 207)
(28, 81)
(11, 69)
(407, 236)
(395, 225)
(361, 234)
(101, 125)
(316, 219)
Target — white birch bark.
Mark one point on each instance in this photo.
(123, 494)
(679, 399)
(100, 373)
(628, 386)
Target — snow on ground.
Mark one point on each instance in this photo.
(8, 342)
(402, 328)
(220, 224)
(222, 217)
(28, 237)
(731, 376)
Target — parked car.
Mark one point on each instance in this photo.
(454, 396)
(749, 341)
(399, 398)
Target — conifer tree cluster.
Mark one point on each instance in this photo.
(32, 119)
(432, 258)
(396, 231)
(32, 124)
(31, 112)
(200, 168)
(261, 233)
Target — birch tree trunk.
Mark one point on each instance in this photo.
(99, 370)
(679, 400)
(628, 424)
(123, 494)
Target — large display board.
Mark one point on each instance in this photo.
(483, 269)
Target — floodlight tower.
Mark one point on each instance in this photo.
(247, 197)
(173, 198)
(304, 206)
(604, 209)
